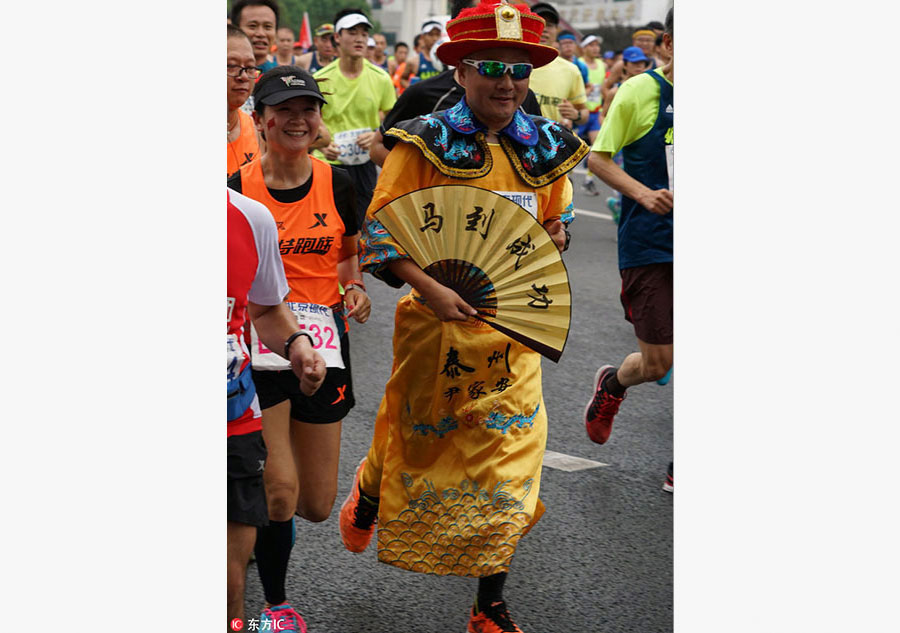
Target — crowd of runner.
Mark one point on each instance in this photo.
(320, 139)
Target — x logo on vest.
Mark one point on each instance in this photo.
(320, 220)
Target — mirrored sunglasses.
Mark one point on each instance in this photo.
(495, 69)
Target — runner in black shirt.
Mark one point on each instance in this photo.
(424, 97)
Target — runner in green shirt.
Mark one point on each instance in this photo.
(359, 95)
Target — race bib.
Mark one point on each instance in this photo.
(315, 320)
(525, 199)
(670, 166)
(351, 153)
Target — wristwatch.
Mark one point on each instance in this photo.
(291, 339)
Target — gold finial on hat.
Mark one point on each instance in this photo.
(509, 22)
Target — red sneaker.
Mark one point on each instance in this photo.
(492, 619)
(357, 520)
(600, 411)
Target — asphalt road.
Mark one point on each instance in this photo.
(599, 561)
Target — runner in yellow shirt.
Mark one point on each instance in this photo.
(558, 86)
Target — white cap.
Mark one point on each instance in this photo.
(371, 42)
(591, 38)
(429, 25)
(350, 20)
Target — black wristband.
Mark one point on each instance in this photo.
(568, 239)
(291, 338)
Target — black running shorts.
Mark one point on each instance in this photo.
(331, 403)
(246, 492)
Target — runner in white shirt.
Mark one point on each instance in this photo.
(256, 286)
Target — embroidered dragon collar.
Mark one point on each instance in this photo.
(453, 140)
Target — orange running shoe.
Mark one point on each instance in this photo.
(357, 519)
(492, 619)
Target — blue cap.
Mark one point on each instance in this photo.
(634, 54)
(566, 36)
(608, 55)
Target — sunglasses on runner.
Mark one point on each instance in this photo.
(495, 69)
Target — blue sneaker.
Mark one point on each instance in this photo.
(665, 379)
(281, 617)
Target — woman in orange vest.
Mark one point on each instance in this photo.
(313, 204)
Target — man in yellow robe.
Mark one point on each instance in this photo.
(453, 472)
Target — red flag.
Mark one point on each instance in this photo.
(305, 32)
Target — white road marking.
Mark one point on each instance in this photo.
(592, 214)
(568, 463)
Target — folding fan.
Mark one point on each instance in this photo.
(493, 253)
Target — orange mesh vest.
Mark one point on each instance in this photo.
(244, 148)
(310, 233)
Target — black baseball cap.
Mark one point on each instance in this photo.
(283, 83)
(546, 10)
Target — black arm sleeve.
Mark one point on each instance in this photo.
(344, 199)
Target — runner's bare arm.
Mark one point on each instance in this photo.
(331, 151)
(323, 140)
(364, 140)
(358, 304)
(412, 65)
(305, 60)
(378, 152)
(557, 231)
(444, 302)
(576, 113)
(607, 101)
(275, 324)
(614, 77)
(659, 201)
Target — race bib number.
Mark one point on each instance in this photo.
(351, 153)
(315, 320)
(670, 166)
(525, 199)
(595, 95)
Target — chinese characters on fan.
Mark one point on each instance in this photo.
(480, 222)
(520, 248)
(542, 301)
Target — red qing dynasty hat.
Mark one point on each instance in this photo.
(494, 24)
